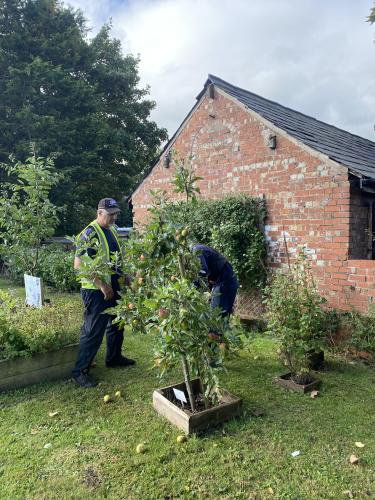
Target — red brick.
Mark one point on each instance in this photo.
(287, 198)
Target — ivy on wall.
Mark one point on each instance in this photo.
(234, 226)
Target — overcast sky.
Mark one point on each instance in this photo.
(315, 56)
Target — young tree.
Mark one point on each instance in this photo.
(27, 216)
(163, 299)
(73, 96)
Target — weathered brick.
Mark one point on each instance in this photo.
(307, 198)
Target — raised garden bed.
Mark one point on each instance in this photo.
(286, 382)
(166, 404)
(41, 367)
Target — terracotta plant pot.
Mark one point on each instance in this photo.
(167, 405)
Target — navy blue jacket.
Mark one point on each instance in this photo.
(214, 266)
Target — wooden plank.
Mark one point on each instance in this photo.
(287, 383)
(9, 367)
(231, 406)
(39, 368)
(57, 372)
(170, 411)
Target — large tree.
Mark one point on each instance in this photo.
(77, 97)
(372, 16)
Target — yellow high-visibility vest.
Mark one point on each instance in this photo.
(89, 284)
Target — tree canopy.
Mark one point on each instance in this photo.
(372, 16)
(76, 97)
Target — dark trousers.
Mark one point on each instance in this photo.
(95, 325)
(224, 295)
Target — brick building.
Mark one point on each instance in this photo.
(318, 182)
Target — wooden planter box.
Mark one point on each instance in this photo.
(41, 367)
(286, 382)
(230, 406)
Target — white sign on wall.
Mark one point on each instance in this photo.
(34, 291)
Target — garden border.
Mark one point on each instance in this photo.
(41, 367)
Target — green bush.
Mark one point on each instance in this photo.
(233, 226)
(358, 332)
(55, 266)
(56, 269)
(27, 330)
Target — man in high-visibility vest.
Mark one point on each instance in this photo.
(98, 295)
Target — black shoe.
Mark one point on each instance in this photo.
(120, 363)
(85, 380)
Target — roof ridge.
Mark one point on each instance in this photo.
(213, 79)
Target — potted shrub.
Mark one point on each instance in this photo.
(296, 318)
(163, 300)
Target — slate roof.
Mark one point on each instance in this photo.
(352, 151)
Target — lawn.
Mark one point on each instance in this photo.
(6, 284)
(87, 450)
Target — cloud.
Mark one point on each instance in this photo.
(314, 56)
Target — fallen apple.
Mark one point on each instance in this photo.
(130, 306)
(118, 394)
(107, 398)
(181, 438)
(141, 448)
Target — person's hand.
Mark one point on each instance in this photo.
(107, 291)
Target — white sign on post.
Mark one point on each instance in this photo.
(34, 291)
(180, 395)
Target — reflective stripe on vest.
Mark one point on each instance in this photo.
(88, 284)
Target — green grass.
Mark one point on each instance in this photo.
(19, 290)
(6, 284)
(92, 452)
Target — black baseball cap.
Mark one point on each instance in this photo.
(109, 205)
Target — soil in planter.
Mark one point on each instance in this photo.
(303, 379)
(287, 382)
(186, 407)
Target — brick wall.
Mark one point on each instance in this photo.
(307, 195)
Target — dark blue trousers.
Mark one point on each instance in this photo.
(96, 323)
(224, 295)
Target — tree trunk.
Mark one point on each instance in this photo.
(189, 388)
(185, 364)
